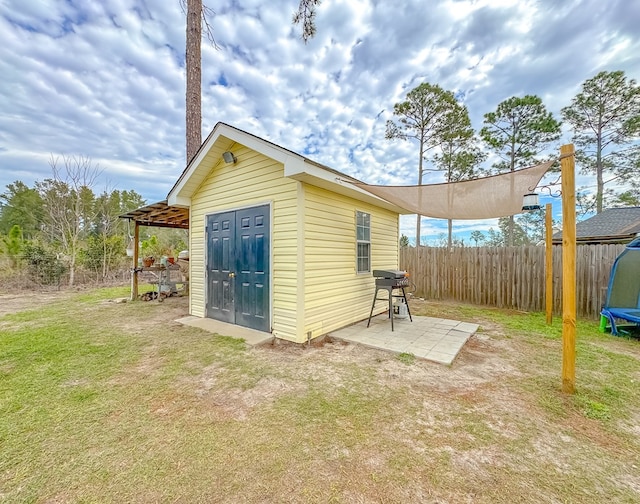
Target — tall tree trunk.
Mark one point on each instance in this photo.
(194, 78)
(420, 171)
(72, 266)
(449, 234)
(511, 227)
(599, 177)
(104, 256)
(511, 230)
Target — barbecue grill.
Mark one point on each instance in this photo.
(390, 280)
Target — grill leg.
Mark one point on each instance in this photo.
(372, 305)
(391, 306)
(407, 303)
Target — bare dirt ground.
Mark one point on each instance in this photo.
(27, 300)
(486, 359)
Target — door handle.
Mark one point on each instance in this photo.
(232, 275)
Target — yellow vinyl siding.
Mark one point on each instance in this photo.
(254, 180)
(314, 285)
(335, 295)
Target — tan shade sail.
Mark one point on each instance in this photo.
(483, 198)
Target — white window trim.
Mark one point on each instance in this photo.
(367, 242)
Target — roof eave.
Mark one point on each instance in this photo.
(581, 240)
(316, 175)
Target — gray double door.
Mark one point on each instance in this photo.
(238, 267)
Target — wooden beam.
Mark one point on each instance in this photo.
(548, 270)
(567, 160)
(164, 224)
(136, 252)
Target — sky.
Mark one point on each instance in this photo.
(105, 79)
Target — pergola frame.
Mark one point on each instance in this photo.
(155, 215)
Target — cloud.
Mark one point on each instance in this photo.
(105, 78)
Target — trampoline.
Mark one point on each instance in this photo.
(623, 294)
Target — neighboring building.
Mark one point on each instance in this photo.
(612, 225)
(278, 242)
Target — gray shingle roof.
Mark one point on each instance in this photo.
(610, 224)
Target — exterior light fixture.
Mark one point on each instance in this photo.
(530, 202)
(229, 157)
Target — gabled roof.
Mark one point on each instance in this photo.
(610, 225)
(296, 166)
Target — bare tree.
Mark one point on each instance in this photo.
(107, 209)
(68, 204)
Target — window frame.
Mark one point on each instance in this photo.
(363, 239)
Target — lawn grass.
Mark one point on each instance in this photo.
(607, 379)
(108, 402)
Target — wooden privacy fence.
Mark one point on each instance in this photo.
(508, 277)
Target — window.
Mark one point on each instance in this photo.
(363, 242)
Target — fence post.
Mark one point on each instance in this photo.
(568, 269)
(548, 243)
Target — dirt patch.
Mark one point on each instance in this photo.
(238, 403)
(147, 316)
(480, 361)
(22, 300)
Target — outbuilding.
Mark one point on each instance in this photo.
(278, 242)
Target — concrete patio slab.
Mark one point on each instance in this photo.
(429, 338)
(250, 336)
